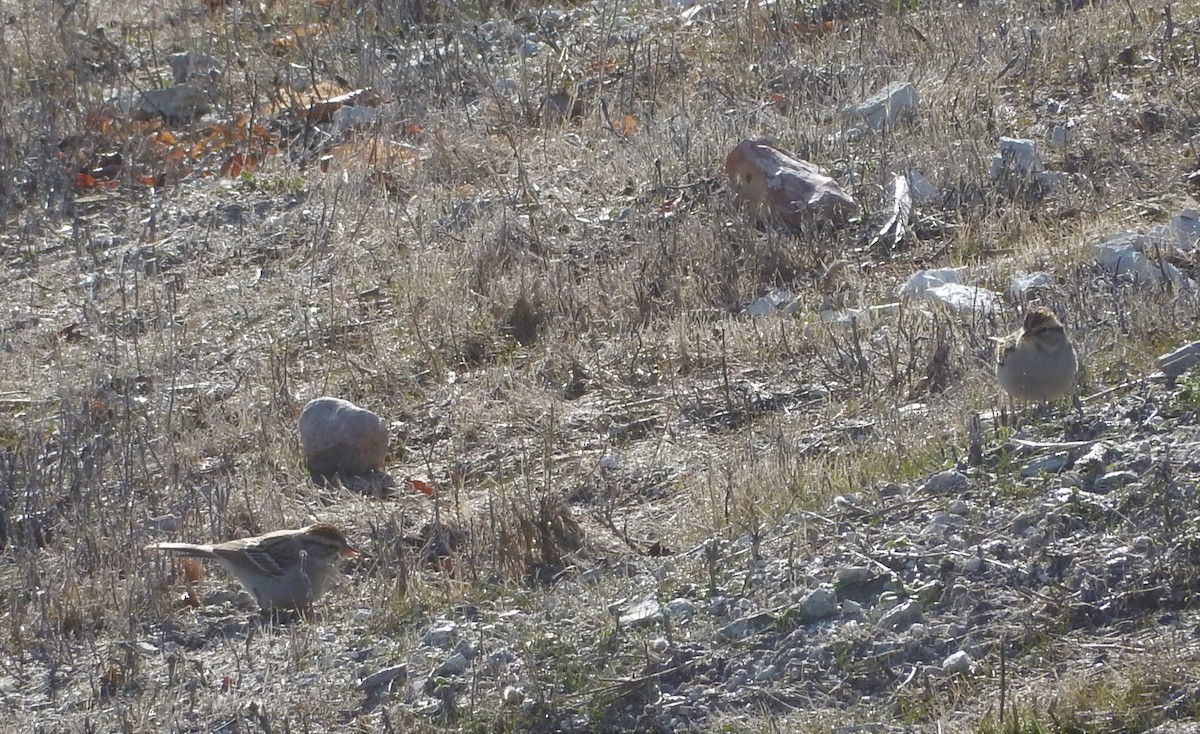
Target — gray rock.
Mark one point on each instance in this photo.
(295, 77)
(353, 117)
(1051, 464)
(850, 575)
(958, 663)
(946, 482)
(1059, 137)
(1175, 363)
(441, 634)
(1114, 480)
(736, 680)
(642, 614)
(1023, 285)
(958, 507)
(1181, 233)
(163, 523)
(499, 658)
(966, 298)
(886, 106)
(383, 677)
(774, 300)
(901, 616)
(180, 102)
(337, 436)
(819, 604)
(1117, 560)
(945, 519)
(1125, 253)
(679, 610)
(197, 66)
(747, 626)
(1016, 156)
(512, 696)
(943, 286)
(718, 606)
(923, 191)
(456, 664)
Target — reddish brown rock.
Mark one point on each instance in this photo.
(774, 186)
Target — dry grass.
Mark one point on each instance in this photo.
(572, 373)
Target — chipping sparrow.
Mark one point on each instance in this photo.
(285, 569)
(1036, 362)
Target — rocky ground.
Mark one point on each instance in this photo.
(657, 464)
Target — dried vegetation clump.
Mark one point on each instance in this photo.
(612, 491)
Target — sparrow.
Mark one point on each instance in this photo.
(1036, 363)
(286, 569)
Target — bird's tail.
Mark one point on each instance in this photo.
(183, 549)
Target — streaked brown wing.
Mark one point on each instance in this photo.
(271, 555)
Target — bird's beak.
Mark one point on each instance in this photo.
(348, 551)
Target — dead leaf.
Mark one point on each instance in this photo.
(603, 65)
(289, 41)
(422, 486)
(235, 164)
(322, 110)
(625, 126)
(813, 28)
(192, 569)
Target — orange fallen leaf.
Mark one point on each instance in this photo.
(815, 28)
(421, 486)
(235, 164)
(85, 180)
(322, 110)
(625, 126)
(604, 65)
(193, 571)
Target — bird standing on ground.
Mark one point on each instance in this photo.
(1037, 363)
(286, 569)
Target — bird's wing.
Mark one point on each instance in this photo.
(271, 555)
